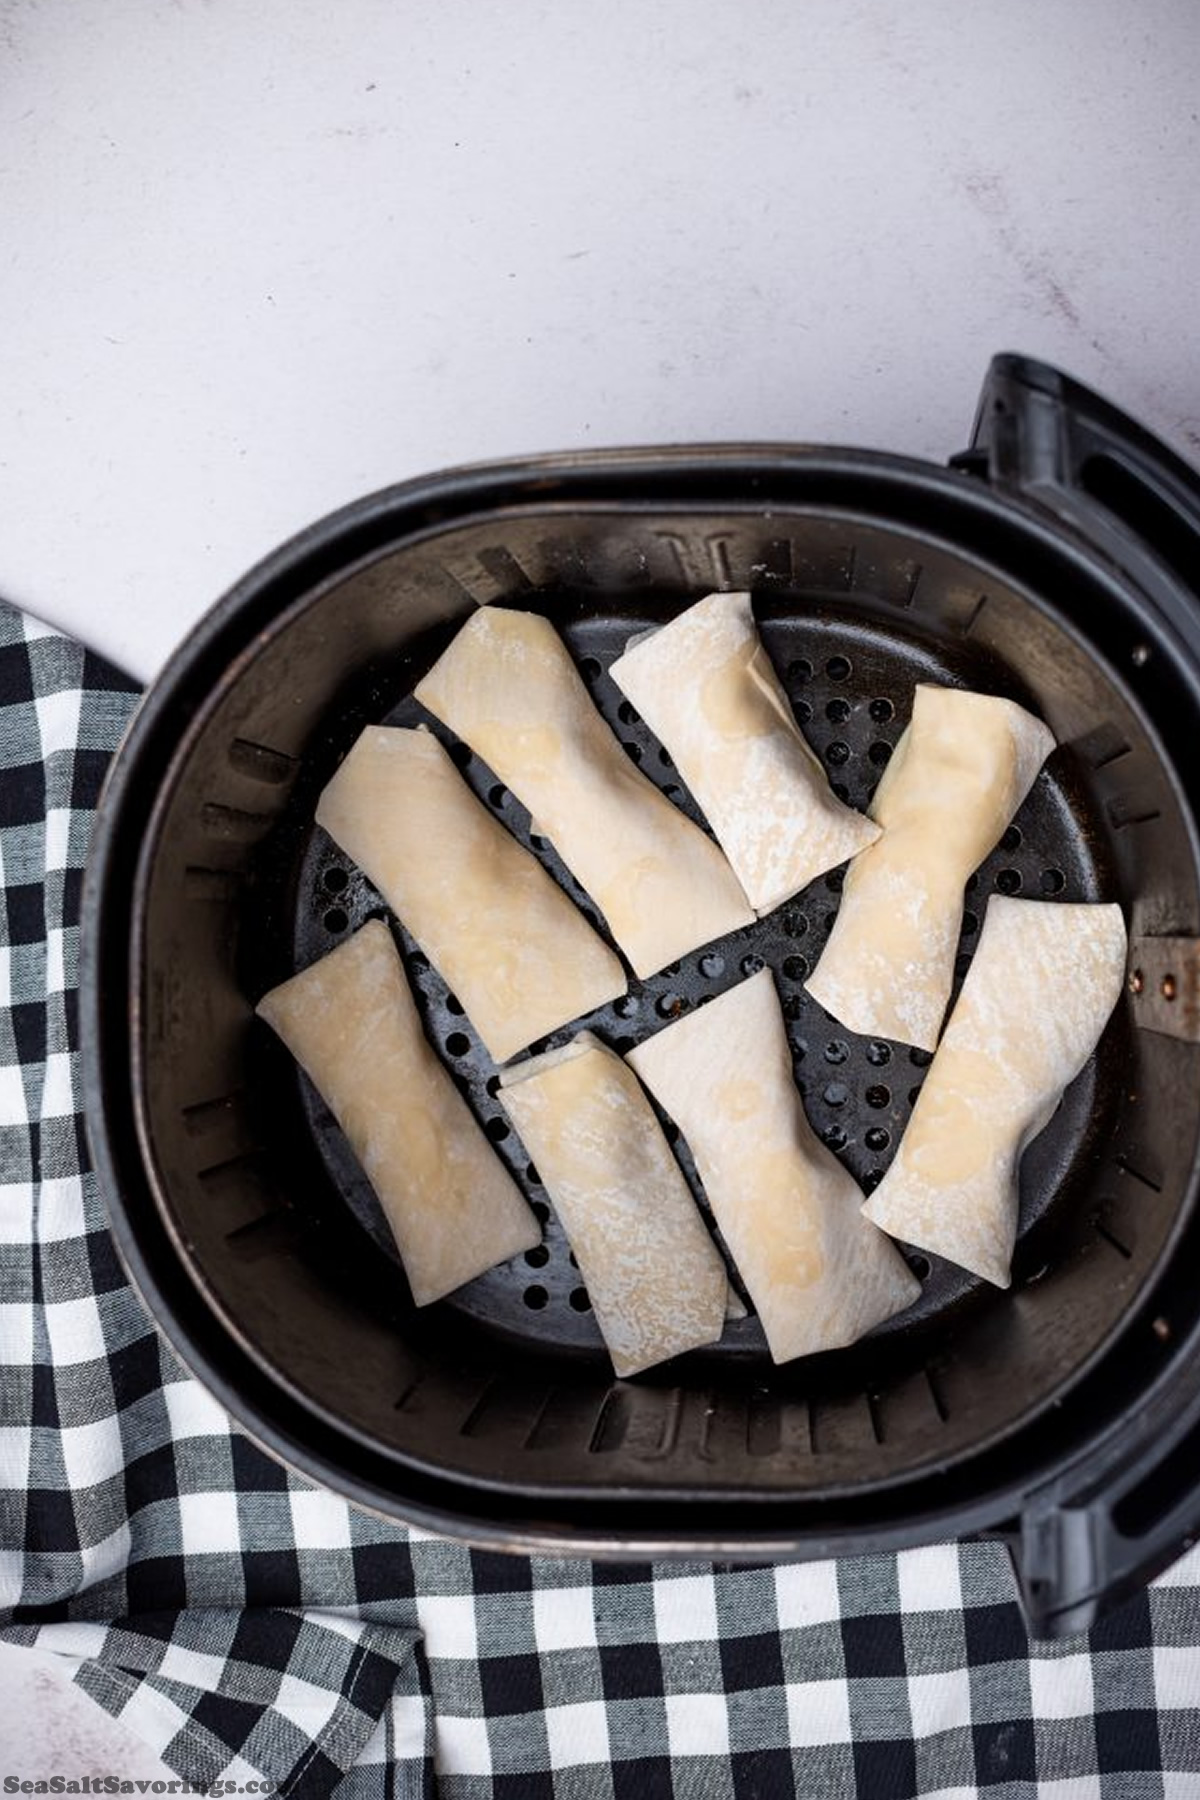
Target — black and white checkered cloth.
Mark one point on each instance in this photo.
(251, 1627)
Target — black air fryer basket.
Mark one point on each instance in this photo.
(1058, 562)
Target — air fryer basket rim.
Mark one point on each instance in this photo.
(321, 551)
(311, 599)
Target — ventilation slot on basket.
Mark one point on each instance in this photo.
(265, 1236)
(875, 1409)
(237, 1193)
(504, 1411)
(563, 565)
(504, 569)
(913, 572)
(1112, 1240)
(642, 1422)
(692, 570)
(1126, 809)
(718, 550)
(933, 1382)
(210, 1115)
(895, 584)
(562, 1421)
(973, 617)
(223, 1126)
(243, 1163)
(764, 1429)
(1153, 1182)
(1102, 746)
(258, 763)
(774, 562)
(814, 1443)
(231, 823)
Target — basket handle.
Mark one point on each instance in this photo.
(1077, 1555)
(1044, 436)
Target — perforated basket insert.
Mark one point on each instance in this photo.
(852, 691)
(506, 1383)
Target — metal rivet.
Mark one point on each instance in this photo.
(1140, 655)
(1137, 982)
(1161, 1330)
(1169, 989)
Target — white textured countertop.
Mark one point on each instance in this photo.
(261, 258)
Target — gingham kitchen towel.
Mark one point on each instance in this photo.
(251, 1627)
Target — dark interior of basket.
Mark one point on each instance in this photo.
(507, 1382)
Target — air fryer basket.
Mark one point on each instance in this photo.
(254, 1234)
